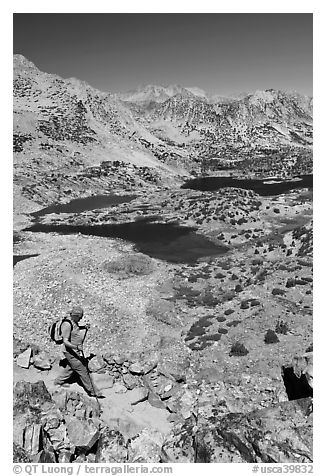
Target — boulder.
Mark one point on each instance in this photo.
(170, 391)
(175, 369)
(146, 447)
(178, 447)
(118, 359)
(58, 437)
(136, 368)
(130, 381)
(18, 347)
(158, 384)
(150, 364)
(278, 434)
(31, 397)
(42, 361)
(80, 458)
(96, 364)
(20, 455)
(137, 395)
(155, 401)
(45, 456)
(111, 447)
(64, 456)
(187, 402)
(303, 365)
(82, 434)
(23, 360)
(32, 438)
(52, 420)
(119, 388)
(109, 358)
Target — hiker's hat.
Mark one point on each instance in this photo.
(77, 311)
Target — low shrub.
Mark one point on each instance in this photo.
(290, 283)
(130, 265)
(228, 312)
(238, 350)
(221, 319)
(270, 337)
(310, 348)
(208, 299)
(233, 323)
(244, 305)
(281, 327)
(278, 292)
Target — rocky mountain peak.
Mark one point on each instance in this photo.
(154, 93)
(22, 63)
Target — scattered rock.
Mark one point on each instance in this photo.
(136, 368)
(82, 434)
(146, 447)
(53, 420)
(20, 455)
(138, 394)
(111, 447)
(58, 437)
(64, 456)
(32, 438)
(155, 401)
(29, 396)
(178, 447)
(118, 359)
(96, 364)
(45, 456)
(23, 360)
(119, 388)
(303, 365)
(130, 381)
(42, 361)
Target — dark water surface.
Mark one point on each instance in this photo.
(266, 187)
(168, 242)
(85, 204)
(18, 258)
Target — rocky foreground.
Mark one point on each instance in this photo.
(202, 361)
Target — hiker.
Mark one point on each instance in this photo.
(73, 337)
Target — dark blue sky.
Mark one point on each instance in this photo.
(220, 53)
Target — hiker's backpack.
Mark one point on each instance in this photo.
(55, 329)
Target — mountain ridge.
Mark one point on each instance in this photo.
(172, 131)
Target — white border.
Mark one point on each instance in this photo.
(169, 6)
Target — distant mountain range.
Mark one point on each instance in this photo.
(153, 93)
(165, 127)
